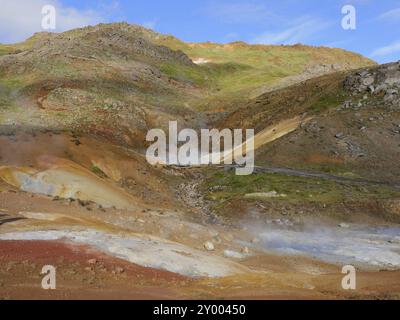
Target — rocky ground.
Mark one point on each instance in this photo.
(157, 250)
(76, 190)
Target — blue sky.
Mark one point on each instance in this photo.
(377, 33)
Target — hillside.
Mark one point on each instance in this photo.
(342, 161)
(241, 71)
(76, 190)
(130, 79)
(354, 126)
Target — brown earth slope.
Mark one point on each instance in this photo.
(119, 80)
(77, 191)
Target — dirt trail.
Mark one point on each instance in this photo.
(268, 135)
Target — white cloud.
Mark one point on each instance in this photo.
(298, 31)
(387, 50)
(20, 19)
(391, 15)
(239, 12)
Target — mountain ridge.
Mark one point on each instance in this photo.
(96, 77)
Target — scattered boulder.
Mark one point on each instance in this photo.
(118, 270)
(233, 254)
(368, 80)
(209, 246)
(339, 135)
(245, 250)
(83, 203)
(77, 142)
(261, 195)
(381, 80)
(216, 188)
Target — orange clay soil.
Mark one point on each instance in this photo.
(85, 273)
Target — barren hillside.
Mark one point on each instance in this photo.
(76, 189)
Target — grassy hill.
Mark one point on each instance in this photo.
(128, 78)
(239, 71)
(351, 141)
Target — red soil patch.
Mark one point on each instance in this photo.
(52, 252)
(82, 273)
